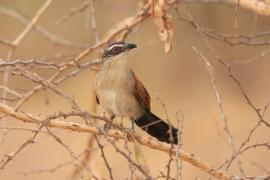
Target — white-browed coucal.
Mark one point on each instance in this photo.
(120, 93)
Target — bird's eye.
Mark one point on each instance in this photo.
(115, 50)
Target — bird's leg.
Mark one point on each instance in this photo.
(132, 129)
(133, 124)
(107, 125)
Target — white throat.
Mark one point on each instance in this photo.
(120, 60)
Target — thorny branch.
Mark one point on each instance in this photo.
(223, 116)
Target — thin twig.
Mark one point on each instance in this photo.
(179, 167)
(101, 147)
(32, 23)
(223, 116)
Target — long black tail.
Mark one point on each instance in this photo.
(157, 128)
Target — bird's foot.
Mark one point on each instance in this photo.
(106, 128)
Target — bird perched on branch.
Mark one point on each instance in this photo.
(121, 93)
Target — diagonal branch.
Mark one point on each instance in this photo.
(32, 23)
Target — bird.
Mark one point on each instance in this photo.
(122, 94)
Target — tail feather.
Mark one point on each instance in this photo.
(157, 128)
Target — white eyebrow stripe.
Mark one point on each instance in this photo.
(115, 45)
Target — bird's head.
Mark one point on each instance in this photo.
(116, 49)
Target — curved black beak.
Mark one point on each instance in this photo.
(130, 46)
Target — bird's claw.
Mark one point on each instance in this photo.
(106, 128)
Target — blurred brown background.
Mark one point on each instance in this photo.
(178, 77)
